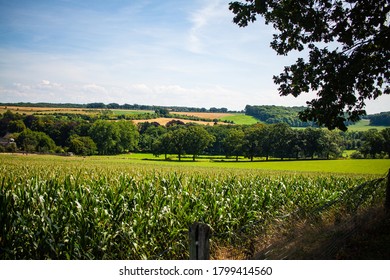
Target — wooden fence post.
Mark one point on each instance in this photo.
(199, 241)
(387, 202)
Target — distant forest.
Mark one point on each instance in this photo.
(381, 119)
(271, 114)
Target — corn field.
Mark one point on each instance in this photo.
(75, 211)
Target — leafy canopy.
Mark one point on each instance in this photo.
(349, 52)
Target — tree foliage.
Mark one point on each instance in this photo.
(34, 141)
(276, 114)
(233, 143)
(349, 52)
(54, 133)
(82, 145)
(380, 119)
(114, 137)
(197, 140)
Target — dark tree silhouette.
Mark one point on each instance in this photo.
(349, 52)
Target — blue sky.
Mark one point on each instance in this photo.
(183, 53)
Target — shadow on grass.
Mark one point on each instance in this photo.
(232, 160)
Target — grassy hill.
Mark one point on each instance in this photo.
(241, 119)
(364, 125)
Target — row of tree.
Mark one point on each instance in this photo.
(87, 135)
(271, 114)
(277, 141)
(380, 119)
(374, 143)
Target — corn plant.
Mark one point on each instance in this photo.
(76, 211)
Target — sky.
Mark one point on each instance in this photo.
(150, 52)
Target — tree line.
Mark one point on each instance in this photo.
(271, 114)
(380, 119)
(101, 105)
(90, 135)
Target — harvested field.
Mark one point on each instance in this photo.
(164, 121)
(204, 115)
(46, 110)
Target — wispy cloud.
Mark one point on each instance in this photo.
(202, 20)
(147, 52)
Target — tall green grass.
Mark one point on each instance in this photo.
(103, 211)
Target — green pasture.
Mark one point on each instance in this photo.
(352, 166)
(364, 125)
(241, 119)
(216, 164)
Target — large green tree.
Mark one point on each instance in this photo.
(386, 141)
(281, 139)
(114, 137)
(197, 140)
(374, 142)
(312, 142)
(233, 143)
(256, 141)
(82, 145)
(177, 138)
(348, 46)
(34, 141)
(128, 136)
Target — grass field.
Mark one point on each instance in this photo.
(240, 119)
(364, 125)
(367, 166)
(216, 164)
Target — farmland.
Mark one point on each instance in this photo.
(208, 117)
(123, 207)
(116, 200)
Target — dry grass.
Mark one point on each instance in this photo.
(164, 121)
(228, 252)
(46, 110)
(364, 236)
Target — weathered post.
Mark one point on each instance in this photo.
(199, 241)
(387, 202)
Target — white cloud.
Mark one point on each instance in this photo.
(186, 53)
(93, 88)
(201, 20)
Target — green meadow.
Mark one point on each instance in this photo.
(241, 119)
(348, 166)
(364, 125)
(340, 166)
